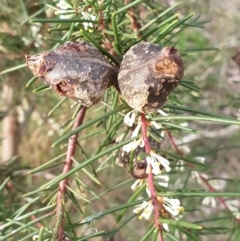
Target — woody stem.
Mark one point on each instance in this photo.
(150, 179)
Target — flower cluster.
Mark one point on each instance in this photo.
(154, 161)
(234, 207)
(203, 180)
(145, 209)
(171, 205)
(67, 11)
(156, 164)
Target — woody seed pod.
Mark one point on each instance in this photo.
(148, 74)
(76, 70)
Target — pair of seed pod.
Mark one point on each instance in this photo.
(80, 71)
(145, 79)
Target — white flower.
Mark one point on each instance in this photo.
(217, 184)
(132, 145)
(163, 183)
(184, 124)
(172, 205)
(162, 113)
(65, 14)
(153, 165)
(180, 165)
(164, 179)
(137, 129)
(200, 159)
(65, 10)
(36, 36)
(233, 206)
(156, 125)
(88, 16)
(155, 161)
(148, 191)
(138, 183)
(237, 215)
(146, 208)
(35, 237)
(185, 149)
(129, 118)
(209, 201)
(165, 226)
(63, 5)
(199, 176)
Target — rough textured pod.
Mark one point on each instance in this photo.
(148, 74)
(138, 170)
(76, 70)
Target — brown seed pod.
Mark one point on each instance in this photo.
(148, 74)
(76, 70)
(138, 170)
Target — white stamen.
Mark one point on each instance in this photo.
(164, 181)
(138, 183)
(132, 145)
(155, 161)
(137, 129)
(129, 118)
(146, 208)
(209, 201)
(162, 113)
(156, 125)
(172, 205)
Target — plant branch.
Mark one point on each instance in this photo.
(72, 142)
(203, 179)
(150, 179)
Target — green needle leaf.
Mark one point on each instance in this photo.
(89, 123)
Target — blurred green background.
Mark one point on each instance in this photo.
(27, 132)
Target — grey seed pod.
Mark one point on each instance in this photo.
(148, 74)
(76, 70)
(138, 166)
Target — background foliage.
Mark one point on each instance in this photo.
(34, 121)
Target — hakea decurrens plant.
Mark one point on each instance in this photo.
(147, 76)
